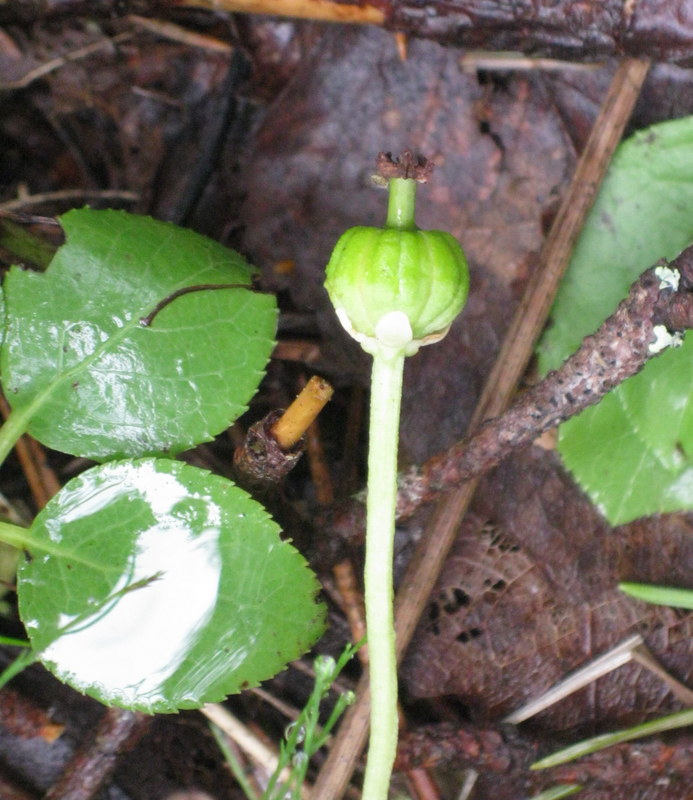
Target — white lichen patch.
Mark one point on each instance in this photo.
(664, 339)
(668, 278)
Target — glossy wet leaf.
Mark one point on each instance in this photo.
(633, 453)
(175, 588)
(97, 382)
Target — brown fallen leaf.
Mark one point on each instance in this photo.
(529, 594)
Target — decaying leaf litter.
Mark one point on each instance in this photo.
(281, 178)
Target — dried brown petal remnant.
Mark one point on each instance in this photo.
(407, 165)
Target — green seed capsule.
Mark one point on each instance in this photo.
(397, 285)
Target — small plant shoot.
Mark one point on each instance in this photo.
(303, 738)
(394, 289)
(149, 584)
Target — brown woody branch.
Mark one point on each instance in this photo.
(619, 349)
(569, 29)
(566, 29)
(117, 732)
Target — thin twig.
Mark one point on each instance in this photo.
(24, 200)
(177, 33)
(246, 740)
(352, 603)
(350, 596)
(602, 665)
(42, 480)
(359, 13)
(528, 322)
(289, 711)
(474, 60)
(680, 691)
(470, 779)
(422, 785)
(631, 649)
(298, 417)
(530, 318)
(56, 63)
(265, 758)
(317, 464)
(303, 350)
(117, 732)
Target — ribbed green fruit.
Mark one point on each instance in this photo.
(374, 272)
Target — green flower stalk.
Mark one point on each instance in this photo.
(394, 289)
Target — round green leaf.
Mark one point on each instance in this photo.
(633, 453)
(642, 214)
(658, 404)
(95, 381)
(162, 587)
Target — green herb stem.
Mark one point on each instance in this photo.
(234, 764)
(13, 427)
(14, 535)
(680, 719)
(23, 660)
(386, 391)
(558, 792)
(10, 641)
(401, 204)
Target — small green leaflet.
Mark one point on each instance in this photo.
(93, 380)
(633, 453)
(659, 595)
(183, 592)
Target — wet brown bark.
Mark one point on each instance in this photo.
(658, 29)
(661, 30)
(118, 731)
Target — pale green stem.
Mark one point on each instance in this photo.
(386, 391)
(15, 535)
(23, 660)
(680, 719)
(234, 764)
(558, 792)
(401, 204)
(14, 426)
